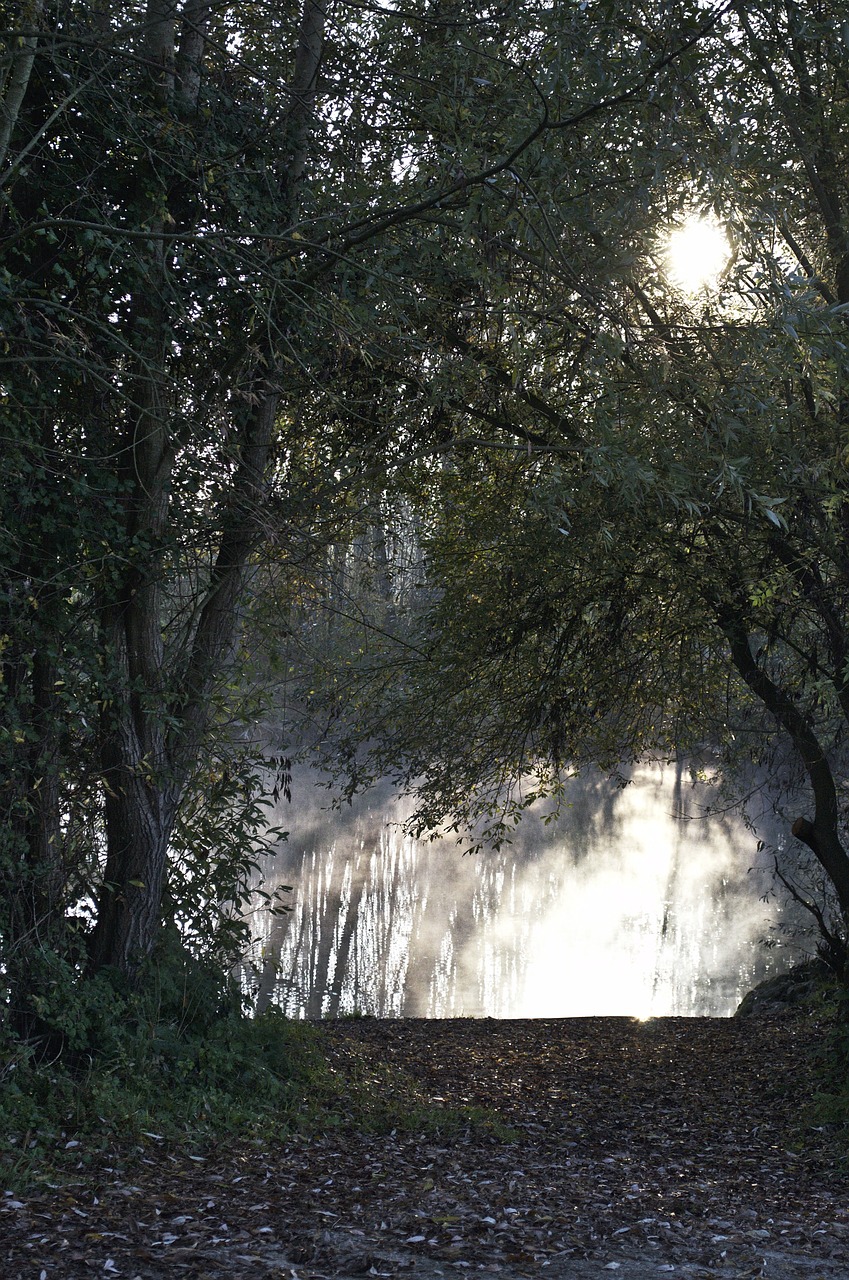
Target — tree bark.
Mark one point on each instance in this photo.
(189, 62)
(18, 77)
(139, 821)
(152, 741)
(303, 90)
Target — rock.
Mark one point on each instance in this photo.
(786, 991)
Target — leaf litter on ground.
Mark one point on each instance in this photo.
(591, 1146)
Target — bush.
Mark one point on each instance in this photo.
(831, 1101)
(177, 1056)
(178, 1059)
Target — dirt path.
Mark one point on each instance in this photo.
(640, 1150)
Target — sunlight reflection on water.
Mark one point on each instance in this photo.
(617, 908)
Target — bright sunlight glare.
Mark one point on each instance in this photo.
(696, 253)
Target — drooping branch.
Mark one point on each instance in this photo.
(810, 582)
(821, 835)
(371, 227)
(834, 949)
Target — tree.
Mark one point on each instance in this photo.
(639, 540)
(124, 128)
(229, 237)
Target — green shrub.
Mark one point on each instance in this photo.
(178, 1059)
(830, 1104)
(176, 1056)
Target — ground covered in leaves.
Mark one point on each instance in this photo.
(596, 1147)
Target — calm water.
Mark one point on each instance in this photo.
(629, 903)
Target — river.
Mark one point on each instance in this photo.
(630, 902)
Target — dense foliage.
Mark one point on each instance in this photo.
(636, 545)
(280, 284)
(207, 251)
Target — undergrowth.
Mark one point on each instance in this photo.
(177, 1060)
(830, 1103)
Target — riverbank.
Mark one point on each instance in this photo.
(601, 1146)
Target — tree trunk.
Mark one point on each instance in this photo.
(822, 835)
(140, 813)
(17, 78)
(153, 737)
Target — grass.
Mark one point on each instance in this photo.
(251, 1079)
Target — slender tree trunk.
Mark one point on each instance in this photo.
(189, 62)
(343, 949)
(303, 92)
(18, 75)
(822, 834)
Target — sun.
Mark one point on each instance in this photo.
(696, 253)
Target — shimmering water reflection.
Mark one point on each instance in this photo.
(629, 903)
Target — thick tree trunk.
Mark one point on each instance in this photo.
(140, 813)
(152, 739)
(138, 833)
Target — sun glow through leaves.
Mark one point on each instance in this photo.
(696, 254)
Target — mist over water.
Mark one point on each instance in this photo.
(628, 903)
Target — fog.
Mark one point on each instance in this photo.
(629, 903)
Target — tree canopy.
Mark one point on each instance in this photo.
(218, 230)
(636, 544)
(271, 275)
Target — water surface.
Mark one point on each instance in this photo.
(629, 903)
